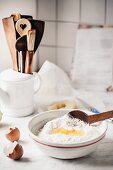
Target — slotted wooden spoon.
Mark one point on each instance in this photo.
(90, 118)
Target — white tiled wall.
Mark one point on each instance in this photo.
(109, 12)
(64, 58)
(65, 34)
(93, 11)
(47, 9)
(47, 53)
(49, 37)
(68, 10)
(61, 18)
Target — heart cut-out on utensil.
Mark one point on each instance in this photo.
(23, 26)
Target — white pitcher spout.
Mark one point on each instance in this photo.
(4, 97)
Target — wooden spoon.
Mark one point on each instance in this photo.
(21, 46)
(90, 118)
(23, 26)
(16, 17)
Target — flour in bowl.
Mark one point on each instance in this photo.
(67, 130)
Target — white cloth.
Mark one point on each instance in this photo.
(56, 86)
(92, 62)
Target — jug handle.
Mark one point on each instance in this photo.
(37, 82)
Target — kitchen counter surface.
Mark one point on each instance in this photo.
(33, 158)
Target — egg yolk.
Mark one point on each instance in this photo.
(67, 132)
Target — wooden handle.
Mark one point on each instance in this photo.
(29, 61)
(16, 16)
(100, 116)
(10, 33)
(23, 61)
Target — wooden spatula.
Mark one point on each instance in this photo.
(90, 118)
(39, 27)
(30, 51)
(21, 46)
(10, 33)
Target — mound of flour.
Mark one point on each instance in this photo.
(69, 124)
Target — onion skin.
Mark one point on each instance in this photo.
(17, 153)
(13, 135)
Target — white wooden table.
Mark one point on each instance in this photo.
(34, 159)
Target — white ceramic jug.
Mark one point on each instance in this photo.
(17, 92)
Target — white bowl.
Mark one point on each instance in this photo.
(62, 151)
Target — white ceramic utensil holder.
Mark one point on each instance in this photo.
(17, 92)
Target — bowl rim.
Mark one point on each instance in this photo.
(59, 145)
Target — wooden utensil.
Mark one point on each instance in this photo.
(90, 118)
(39, 27)
(27, 17)
(30, 52)
(17, 16)
(21, 46)
(23, 26)
(10, 33)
